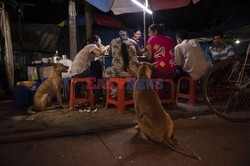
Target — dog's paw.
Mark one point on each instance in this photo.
(136, 127)
(31, 112)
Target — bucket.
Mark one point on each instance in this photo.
(32, 91)
(20, 96)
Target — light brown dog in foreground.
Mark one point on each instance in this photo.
(50, 88)
(153, 121)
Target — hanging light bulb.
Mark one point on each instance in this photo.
(142, 6)
(237, 41)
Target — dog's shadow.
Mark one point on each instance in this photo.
(139, 139)
(142, 148)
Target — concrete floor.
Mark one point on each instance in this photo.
(17, 125)
(217, 141)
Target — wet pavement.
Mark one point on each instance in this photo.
(217, 141)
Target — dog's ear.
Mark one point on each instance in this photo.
(153, 65)
(136, 63)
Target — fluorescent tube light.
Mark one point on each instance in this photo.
(142, 6)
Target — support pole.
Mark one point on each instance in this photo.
(88, 16)
(72, 29)
(144, 27)
(8, 50)
(144, 23)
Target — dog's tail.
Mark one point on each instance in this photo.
(51, 107)
(172, 145)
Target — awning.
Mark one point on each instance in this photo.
(168, 4)
(99, 19)
(107, 21)
(126, 6)
(103, 5)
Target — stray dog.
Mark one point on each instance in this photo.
(50, 88)
(153, 121)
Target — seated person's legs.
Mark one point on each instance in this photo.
(91, 73)
(179, 73)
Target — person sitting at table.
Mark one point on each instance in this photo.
(219, 50)
(137, 38)
(160, 51)
(189, 57)
(123, 51)
(82, 65)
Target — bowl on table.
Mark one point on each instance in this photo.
(45, 60)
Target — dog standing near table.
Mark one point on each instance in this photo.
(153, 121)
(50, 88)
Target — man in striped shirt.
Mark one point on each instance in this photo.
(220, 50)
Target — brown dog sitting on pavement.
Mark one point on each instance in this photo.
(50, 88)
(153, 121)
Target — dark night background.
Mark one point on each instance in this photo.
(202, 16)
(28, 18)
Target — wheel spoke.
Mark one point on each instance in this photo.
(227, 104)
(223, 94)
(244, 98)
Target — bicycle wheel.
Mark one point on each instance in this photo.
(222, 92)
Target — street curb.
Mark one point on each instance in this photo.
(55, 133)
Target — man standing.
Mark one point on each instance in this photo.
(189, 57)
(220, 50)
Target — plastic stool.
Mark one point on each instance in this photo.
(172, 97)
(121, 101)
(90, 95)
(191, 95)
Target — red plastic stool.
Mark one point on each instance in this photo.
(172, 97)
(191, 95)
(121, 101)
(90, 95)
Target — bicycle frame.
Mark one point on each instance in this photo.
(242, 71)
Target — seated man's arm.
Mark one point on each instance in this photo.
(209, 52)
(149, 51)
(178, 57)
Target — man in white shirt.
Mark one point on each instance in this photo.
(189, 57)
